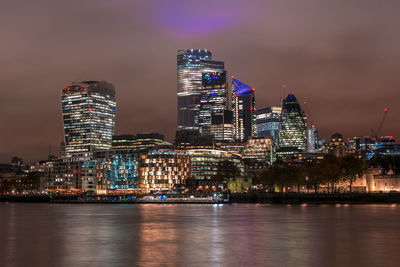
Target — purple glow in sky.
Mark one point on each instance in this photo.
(341, 56)
(187, 20)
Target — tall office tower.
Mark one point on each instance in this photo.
(293, 125)
(312, 139)
(268, 122)
(192, 63)
(213, 98)
(89, 116)
(244, 110)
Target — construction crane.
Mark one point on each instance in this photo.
(308, 115)
(375, 135)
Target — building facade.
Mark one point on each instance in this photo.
(162, 168)
(192, 63)
(260, 149)
(89, 116)
(222, 127)
(244, 110)
(293, 126)
(137, 142)
(117, 170)
(312, 139)
(204, 162)
(268, 122)
(213, 98)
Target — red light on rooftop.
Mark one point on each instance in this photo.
(233, 77)
(386, 109)
(391, 137)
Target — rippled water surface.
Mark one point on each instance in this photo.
(199, 235)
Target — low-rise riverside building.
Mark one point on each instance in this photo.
(70, 174)
(162, 168)
(116, 170)
(204, 162)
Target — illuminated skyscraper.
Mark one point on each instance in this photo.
(89, 116)
(213, 98)
(293, 125)
(312, 139)
(268, 122)
(244, 110)
(192, 63)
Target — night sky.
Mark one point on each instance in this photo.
(341, 56)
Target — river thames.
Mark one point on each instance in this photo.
(198, 235)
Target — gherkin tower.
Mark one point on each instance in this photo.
(293, 125)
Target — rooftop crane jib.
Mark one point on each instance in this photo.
(375, 135)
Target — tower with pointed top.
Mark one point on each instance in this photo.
(293, 125)
(244, 110)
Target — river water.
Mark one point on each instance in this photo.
(34, 234)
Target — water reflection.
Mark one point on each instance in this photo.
(199, 235)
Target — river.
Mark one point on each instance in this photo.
(33, 234)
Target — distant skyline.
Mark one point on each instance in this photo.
(342, 57)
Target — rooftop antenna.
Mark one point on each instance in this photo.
(283, 90)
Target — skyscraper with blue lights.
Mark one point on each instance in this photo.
(244, 110)
(192, 64)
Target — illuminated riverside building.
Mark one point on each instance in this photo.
(89, 116)
(204, 162)
(72, 174)
(268, 122)
(192, 63)
(137, 142)
(293, 127)
(244, 111)
(116, 170)
(260, 149)
(162, 168)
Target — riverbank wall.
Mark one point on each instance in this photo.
(260, 198)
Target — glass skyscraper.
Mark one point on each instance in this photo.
(244, 111)
(312, 139)
(268, 122)
(293, 125)
(89, 116)
(192, 63)
(213, 98)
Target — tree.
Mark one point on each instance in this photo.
(386, 162)
(352, 167)
(330, 171)
(226, 170)
(314, 175)
(266, 178)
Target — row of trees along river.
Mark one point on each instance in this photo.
(328, 172)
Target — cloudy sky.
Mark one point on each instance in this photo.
(341, 56)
